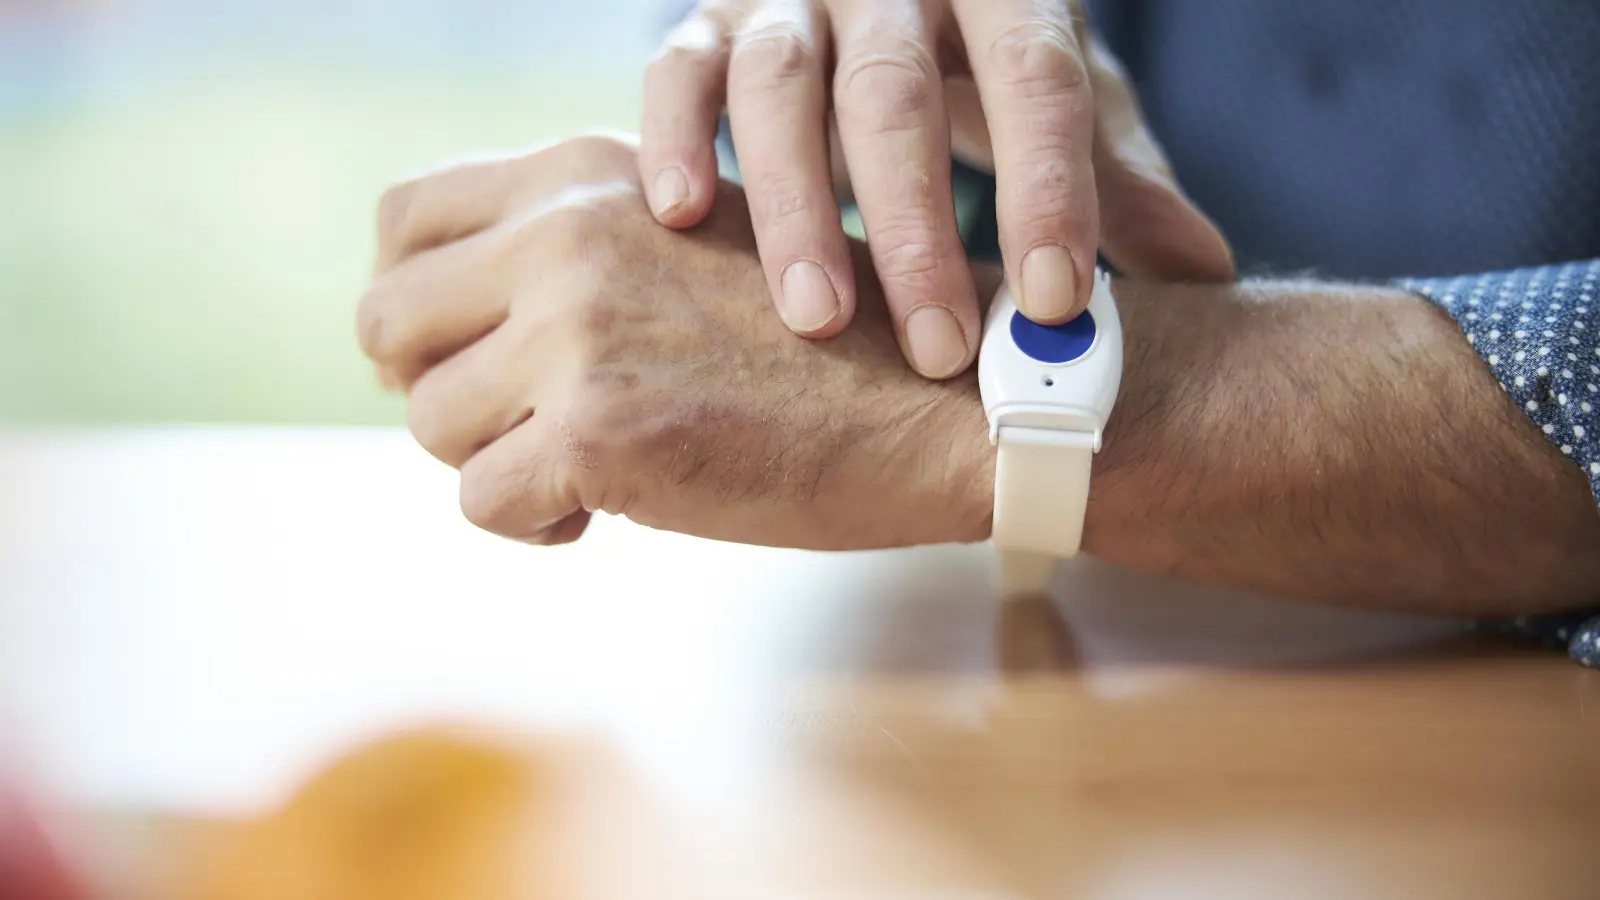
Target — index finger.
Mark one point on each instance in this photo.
(1031, 75)
(896, 142)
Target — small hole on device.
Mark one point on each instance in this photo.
(1049, 382)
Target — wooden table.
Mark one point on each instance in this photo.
(191, 621)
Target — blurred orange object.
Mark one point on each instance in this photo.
(422, 816)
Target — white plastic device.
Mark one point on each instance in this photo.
(1047, 391)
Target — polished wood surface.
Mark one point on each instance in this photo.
(199, 622)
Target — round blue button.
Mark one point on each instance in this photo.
(1053, 343)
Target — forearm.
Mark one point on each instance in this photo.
(1337, 444)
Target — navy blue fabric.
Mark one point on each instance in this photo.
(1408, 138)
(1538, 330)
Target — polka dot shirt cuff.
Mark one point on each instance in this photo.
(1539, 332)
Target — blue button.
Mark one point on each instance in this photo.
(1053, 343)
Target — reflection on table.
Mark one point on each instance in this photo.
(195, 623)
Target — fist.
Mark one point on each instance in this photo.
(569, 355)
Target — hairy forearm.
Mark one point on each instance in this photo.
(1339, 444)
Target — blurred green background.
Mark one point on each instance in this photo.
(187, 188)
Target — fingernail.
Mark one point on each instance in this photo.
(809, 301)
(1049, 283)
(671, 190)
(938, 348)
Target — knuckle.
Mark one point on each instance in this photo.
(773, 57)
(1046, 138)
(610, 147)
(598, 318)
(560, 241)
(693, 41)
(778, 199)
(575, 266)
(585, 434)
(1051, 129)
(909, 253)
(885, 91)
(531, 241)
(595, 332)
(489, 500)
(427, 425)
(592, 249)
(676, 63)
(595, 236)
(1044, 191)
(596, 154)
(375, 326)
(1037, 61)
(603, 447)
(601, 309)
(394, 208)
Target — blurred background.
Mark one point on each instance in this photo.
(187, 195)
(187, 186)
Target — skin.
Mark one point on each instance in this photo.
(873, 98)
(1327, 442)
(1334, 443)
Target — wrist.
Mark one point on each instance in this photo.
(966, 488)
(1334, 443)
(971, 488)
(1186, 368)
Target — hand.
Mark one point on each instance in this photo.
(569, 355)
(1062, 125)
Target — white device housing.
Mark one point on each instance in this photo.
(1045, 418)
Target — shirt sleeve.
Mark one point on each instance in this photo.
(1538, 331)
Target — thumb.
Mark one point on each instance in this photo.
(1147, 226)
